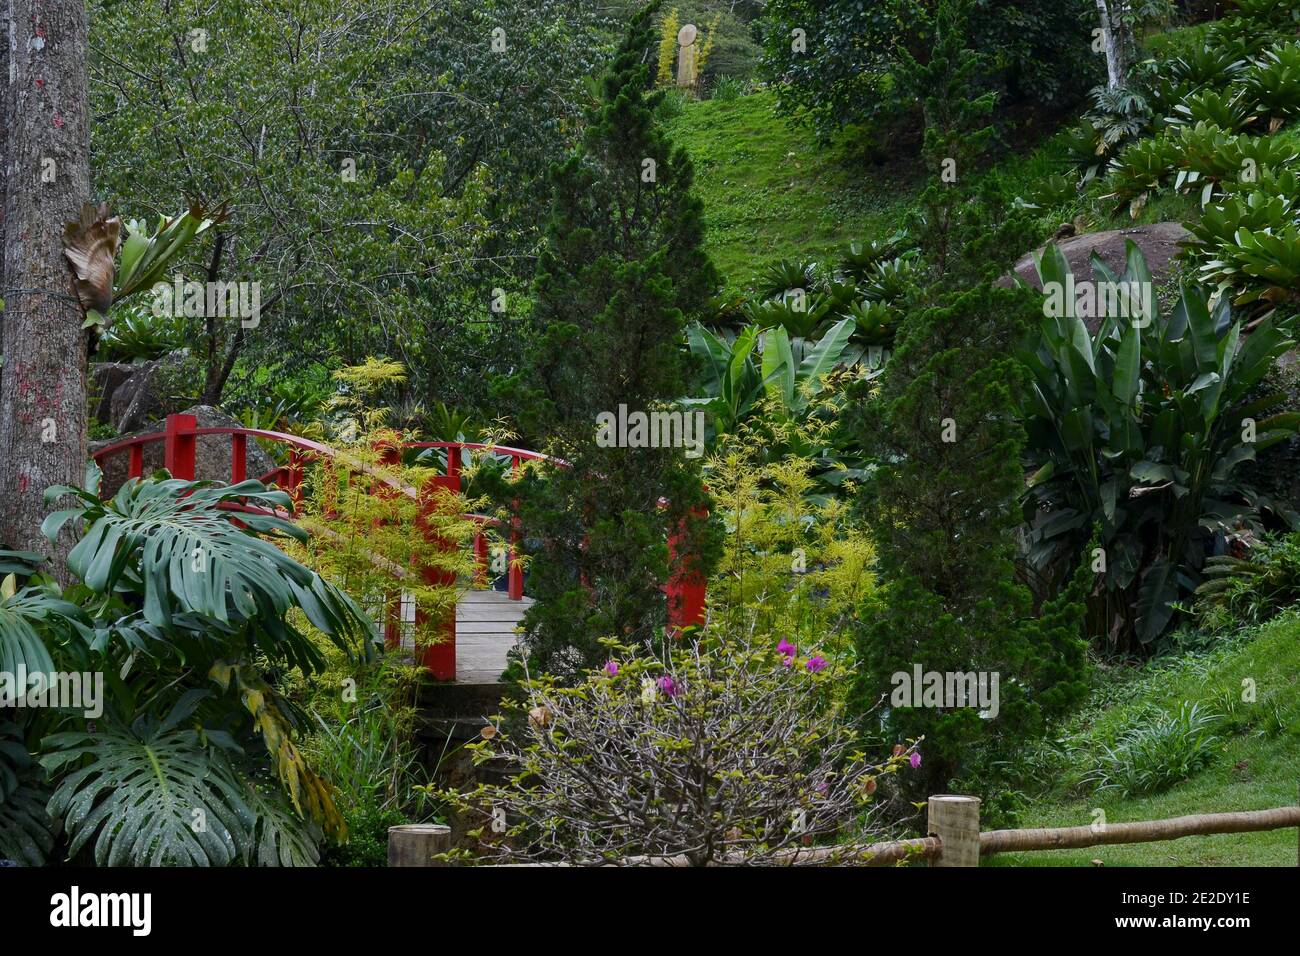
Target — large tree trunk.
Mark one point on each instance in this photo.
(43, 382)
(1118, 41)
(4, 147)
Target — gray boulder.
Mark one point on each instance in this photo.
(105, 379)
(1158, 242)
(131, 396)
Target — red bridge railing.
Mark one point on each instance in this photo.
(685, 589)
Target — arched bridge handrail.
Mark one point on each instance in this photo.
(686, 591)
(182, 432)
(321, 449)
(308, 445)
(283, 437)
(521, 453)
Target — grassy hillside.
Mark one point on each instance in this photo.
(772, 192)
(1255, 762)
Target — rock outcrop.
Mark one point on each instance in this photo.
(129, 395)
(1158, 242)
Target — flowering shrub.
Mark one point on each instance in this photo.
(724, 752)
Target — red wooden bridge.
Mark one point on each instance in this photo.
(485, 624)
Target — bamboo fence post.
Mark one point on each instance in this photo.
(415, 844)
(955, 820)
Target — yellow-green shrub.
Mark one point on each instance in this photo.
(793, 565)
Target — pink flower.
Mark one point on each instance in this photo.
(668, 686)
(915, 759)
(816, 664)
(786, 648)
(611, 668)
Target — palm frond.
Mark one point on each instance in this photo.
(279, 837)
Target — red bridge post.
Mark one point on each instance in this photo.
(686, 585)
(180, 446)
(514, 571)
(238, 458)
(439, 657)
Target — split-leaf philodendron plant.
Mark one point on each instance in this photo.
(183, 607)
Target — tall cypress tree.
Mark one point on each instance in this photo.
(945, 430)
(621, 273)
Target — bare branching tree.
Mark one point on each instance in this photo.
(730, 752)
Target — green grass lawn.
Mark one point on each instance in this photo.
(772, 192)
(1256, 765)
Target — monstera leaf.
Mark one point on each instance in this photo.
(176, 546)
(27, 618)
(26, 830)
(156, 793)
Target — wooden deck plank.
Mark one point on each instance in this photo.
(488, 612)
(493, 597)
(485, 632)
(485, 627)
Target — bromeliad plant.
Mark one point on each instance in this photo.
(184, 608)
(1136, 431)
(104, 277)
(1227, 111)
(1140, 170)
(1272, 83)
(808, 298)
(1208, 159)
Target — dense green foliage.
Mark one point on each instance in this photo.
(1250, 586)
(852, 67)
(621, 272)
(941, 506)
(384, 168)
(187, 611)
(1137, 430)
(476, 221)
